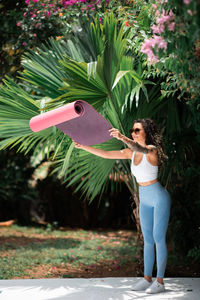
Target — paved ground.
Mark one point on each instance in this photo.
(94, 289)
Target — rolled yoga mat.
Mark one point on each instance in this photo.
(78, 119)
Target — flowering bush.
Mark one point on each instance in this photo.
(164, 22)
(40, 21)
(45, 18)
(166, 34)
(30, 22)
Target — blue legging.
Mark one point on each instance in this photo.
(154, 213)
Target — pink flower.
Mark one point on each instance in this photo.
(189, 12)
(24, 44)
(187, 2)
(160, 42)
(149, 53)
(98, 248)
(158, 29)
(18, 24)
(53, 268)
(27, 1)
(163, 19)
(171, 26)
(49, 13)
(35, 1)
(148, 46)
(171, 14)
(70, 2)
(153, 59)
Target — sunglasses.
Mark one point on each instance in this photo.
(136, 131)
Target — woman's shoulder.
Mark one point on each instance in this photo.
(152, 148)
(152, 156)
(127, 152)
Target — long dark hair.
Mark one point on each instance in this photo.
(153, 137)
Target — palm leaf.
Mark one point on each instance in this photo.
(92, 177)
(79, 86)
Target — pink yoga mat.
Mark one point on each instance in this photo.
(78, 119)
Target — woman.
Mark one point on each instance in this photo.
(146, 154)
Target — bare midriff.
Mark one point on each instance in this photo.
(148, 182)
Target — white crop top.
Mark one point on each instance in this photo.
(144, 171)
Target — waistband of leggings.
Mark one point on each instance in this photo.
(150, 186)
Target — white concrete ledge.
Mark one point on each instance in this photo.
(94, 289)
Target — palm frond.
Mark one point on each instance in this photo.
(92, 177)
(17, 107)
(108, 64)
(80, 86)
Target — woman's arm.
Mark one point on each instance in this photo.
(121, 154)
(130, 143)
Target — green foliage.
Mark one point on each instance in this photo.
(17, 107)
(184, 226)
(16, 194)
(51, 227)
(10, 12)
(116, 89)
(195, 253)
